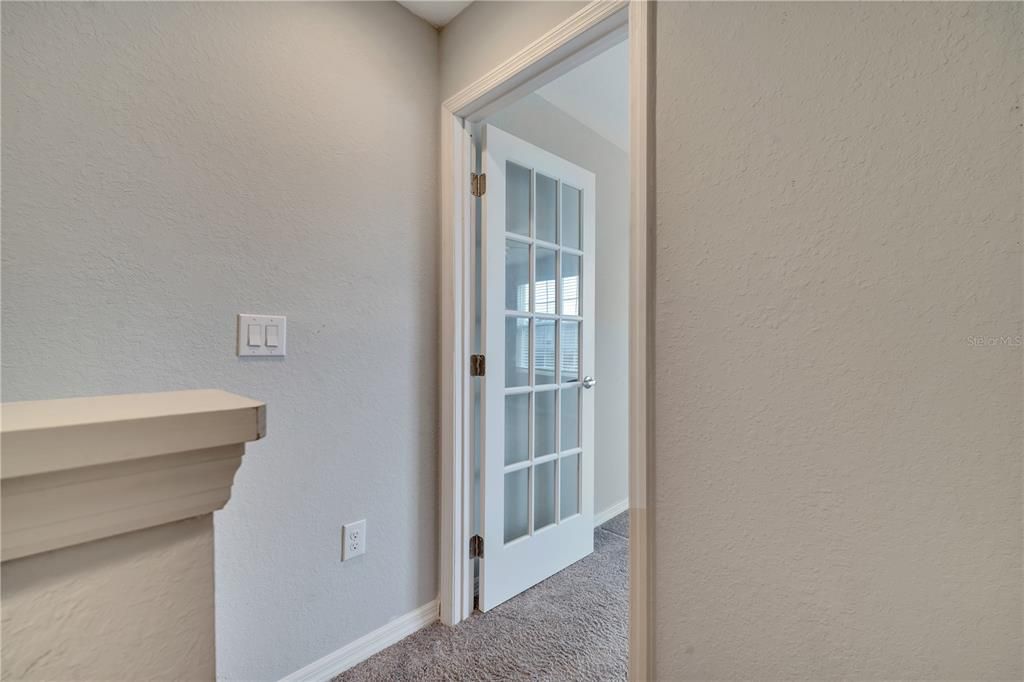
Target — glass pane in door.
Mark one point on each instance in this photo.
(517, 276)
(569, 486)
(544, 423)
(547, 208)
(545, 360)
(517, 428)
(517, 199)
(544, 495)
(546, 285)
(517, 351)
(570, 284)
(570, 351)
(570, 418)
(571, 198)
(517, 504)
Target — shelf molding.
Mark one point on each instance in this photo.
(82, 469)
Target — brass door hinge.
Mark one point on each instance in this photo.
(478, 184)
(477, 365)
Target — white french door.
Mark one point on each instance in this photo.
(537, 467)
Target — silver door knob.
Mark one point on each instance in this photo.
(588, 382)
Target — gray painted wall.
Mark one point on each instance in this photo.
(537, 121)
(838, 488)
(168, 165)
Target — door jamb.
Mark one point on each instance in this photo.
(581, 36)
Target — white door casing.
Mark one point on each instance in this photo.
(538, 337)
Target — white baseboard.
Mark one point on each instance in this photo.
(358, 651)
(611, 512)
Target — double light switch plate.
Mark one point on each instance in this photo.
(261, 335)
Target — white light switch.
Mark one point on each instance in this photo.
(272, 336)
(261, 335)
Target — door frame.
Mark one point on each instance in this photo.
(584, 34)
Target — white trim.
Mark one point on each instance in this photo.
(455, 591)
(592, 29)
(611, 512)
(642, 62)
(358, 651)
(586, 33)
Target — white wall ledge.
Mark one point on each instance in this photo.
(82, 469)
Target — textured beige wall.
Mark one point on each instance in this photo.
(137, 606)
(485, 34)
(838, 463)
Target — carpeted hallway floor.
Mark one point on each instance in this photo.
(572, 626)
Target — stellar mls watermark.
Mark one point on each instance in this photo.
(988, 341)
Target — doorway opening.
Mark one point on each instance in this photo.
(550, 375)
(551, 281)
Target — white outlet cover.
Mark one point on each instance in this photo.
(353, 539)
(261, 335)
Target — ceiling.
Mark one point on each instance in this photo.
(437, 12)
(596, 93)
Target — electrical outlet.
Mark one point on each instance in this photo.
(353, 539)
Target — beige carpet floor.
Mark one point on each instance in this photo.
(572, 626)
